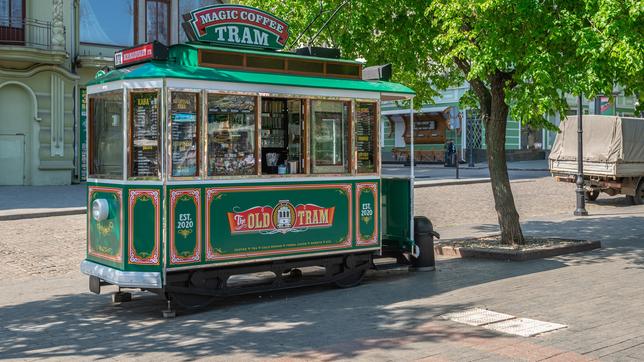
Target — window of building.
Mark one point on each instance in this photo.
(186, 6)
(157, 21)
(366, 136)
(330, 137)
(184, 129)
(145, 135)
(231, 135)
(12, 14)
(106, 132)
(107, 22)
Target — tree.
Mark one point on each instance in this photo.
(520, 57)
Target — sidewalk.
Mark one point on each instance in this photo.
(391, 316)
(20, 202)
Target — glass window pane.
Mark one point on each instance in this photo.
(366, 136)
(329, 137)
(106, 132)
(107, 22)
(186, 6)
(145, 134)
(231, 135)
(185, 133)
(157, 12)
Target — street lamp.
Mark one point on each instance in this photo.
(581, 201)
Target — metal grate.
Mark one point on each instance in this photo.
(474, 130)
(524, 327)
(477, 317)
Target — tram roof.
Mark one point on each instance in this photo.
(183, 64)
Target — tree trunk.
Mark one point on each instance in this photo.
(495, 126)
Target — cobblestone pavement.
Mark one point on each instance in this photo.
(46, 311)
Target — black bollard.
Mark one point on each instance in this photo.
(424, 237)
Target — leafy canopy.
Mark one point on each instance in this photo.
(541, 48)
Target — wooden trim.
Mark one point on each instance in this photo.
(285, 70)
(258, 138)
(90, 135)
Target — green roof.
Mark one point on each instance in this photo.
(183, 63)
(171, 70)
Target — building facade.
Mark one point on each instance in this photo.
(445, 120)
(49, 49)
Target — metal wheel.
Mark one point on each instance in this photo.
(352, 279)
(638, 199)
(591, 195)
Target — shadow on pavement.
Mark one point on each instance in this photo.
(315, 323)
(389, 310)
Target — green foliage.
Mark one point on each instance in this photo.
(541, 49)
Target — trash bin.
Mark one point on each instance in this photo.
(424, 235)
(450, 153)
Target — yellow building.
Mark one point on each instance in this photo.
(48, 50)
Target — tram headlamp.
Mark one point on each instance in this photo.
(100, 209)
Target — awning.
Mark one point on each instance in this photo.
(172, 70)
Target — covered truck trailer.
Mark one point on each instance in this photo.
(613, 156)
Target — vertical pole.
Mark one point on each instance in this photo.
(581, 201)
(412, 174)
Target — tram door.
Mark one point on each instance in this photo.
(281, 136)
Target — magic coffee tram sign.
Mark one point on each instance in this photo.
(236, 25)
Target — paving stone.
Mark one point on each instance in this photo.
(477, 317)
(524, 327)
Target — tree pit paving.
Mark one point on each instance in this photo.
(490, 247)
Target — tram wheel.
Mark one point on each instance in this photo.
(351, 280)
(192, 301)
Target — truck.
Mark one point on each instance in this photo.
(613, 156)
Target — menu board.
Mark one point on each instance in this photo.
(145, 134)
(184, 133)
(365, 128)
(231, 135)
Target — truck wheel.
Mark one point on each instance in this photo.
(638, 199)
(592, 195)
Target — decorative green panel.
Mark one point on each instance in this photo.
(244, 222)
(367, 214)
(105, 238)
(396, 213)
(143, 227)
(185, 226)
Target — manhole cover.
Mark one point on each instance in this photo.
(477, 317)
(524, 327)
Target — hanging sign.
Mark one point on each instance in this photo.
(139, 54)
(236, 25)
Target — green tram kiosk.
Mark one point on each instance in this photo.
(224, 156)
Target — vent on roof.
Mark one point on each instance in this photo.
(377, 72)
(321, 52)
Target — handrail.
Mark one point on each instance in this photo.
(26, 32)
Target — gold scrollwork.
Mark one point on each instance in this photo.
(105, 228)
(185, 232)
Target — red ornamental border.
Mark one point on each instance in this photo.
(134, 258)
(91, 190)
(212, 255)
(235, 14)
(196, 256)
(374, 237)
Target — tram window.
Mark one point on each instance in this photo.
(184, 130)
(330, 137)
(231, 135)
(366, 137)
(144, 113)
(106, 135)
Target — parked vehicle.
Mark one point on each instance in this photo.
(613, 156)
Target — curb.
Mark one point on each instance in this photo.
(419, 184)
(516, 255)
(34, 215)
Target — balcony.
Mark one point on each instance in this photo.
(30, 40)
